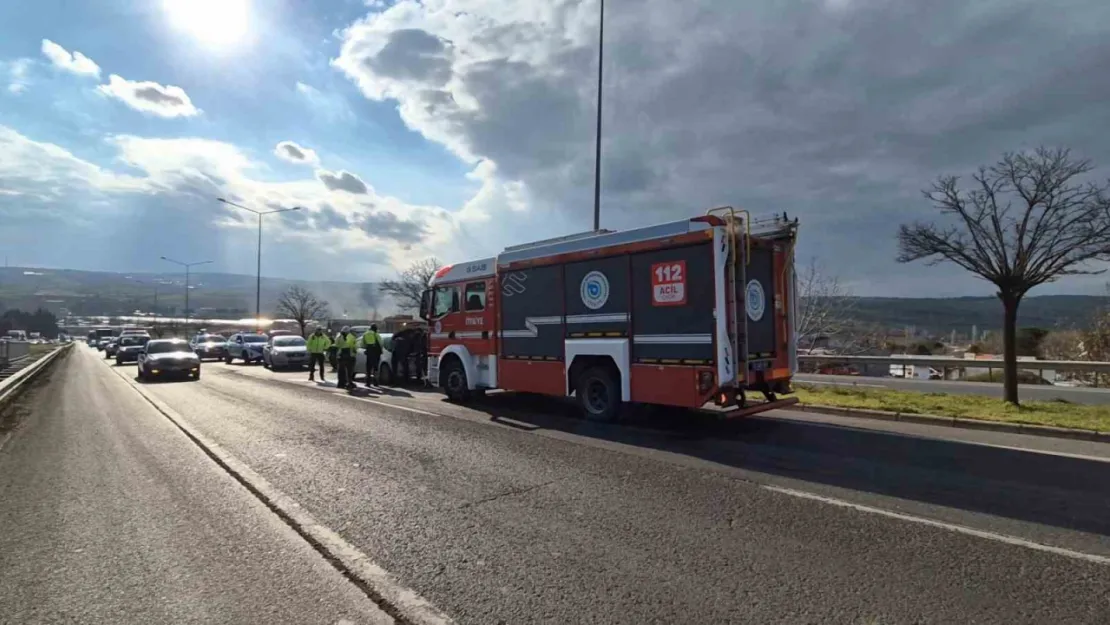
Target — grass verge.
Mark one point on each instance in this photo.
(1055, 413)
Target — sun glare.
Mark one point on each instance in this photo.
(216, 23)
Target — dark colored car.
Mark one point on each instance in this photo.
(164, 358)
(129, 346)
(209, 346)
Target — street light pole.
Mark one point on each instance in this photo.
(597, 146)
(258, 275)
(187, 267)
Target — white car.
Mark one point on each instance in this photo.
(285, 351)
(385, 373)
(245, 345)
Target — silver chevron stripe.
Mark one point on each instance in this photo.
(605, 318)
(532, 324)
(673, 339)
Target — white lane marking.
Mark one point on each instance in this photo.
(960, 529)
(800, 381)
(415, 608)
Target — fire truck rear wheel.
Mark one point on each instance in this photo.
(599, 394)
(453, 379)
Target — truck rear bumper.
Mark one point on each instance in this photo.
(736, 411)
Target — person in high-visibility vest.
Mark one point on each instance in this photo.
(347, 343)
(318, 344)
(372, 345)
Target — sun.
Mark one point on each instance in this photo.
(215, 23)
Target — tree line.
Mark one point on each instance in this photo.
(41, 320)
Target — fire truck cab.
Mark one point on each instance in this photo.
(687, 313)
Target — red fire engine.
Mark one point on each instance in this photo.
(686, 313)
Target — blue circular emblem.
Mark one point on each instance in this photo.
(756, 301)
(594, 290)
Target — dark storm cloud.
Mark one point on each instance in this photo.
(342, 181)
(156, 94)
(838, 112)
(414, 55)
(388, 226)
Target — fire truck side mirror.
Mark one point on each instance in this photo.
(426, 305)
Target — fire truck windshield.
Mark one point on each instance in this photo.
(446, 301)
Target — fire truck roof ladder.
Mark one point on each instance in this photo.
(552, 241)
(738, 223)
(597, 239)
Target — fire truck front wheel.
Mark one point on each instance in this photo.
(452, 378)
(599, 393)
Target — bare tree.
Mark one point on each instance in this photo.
(300, 305)
(1024, 221)
(828, 310)
(825, 308)
(409, 286)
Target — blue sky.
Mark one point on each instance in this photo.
(455, 127)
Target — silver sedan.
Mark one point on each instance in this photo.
(285, 351)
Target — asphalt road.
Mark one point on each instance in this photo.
(1026, 391)
(512, 511)
(109, 514)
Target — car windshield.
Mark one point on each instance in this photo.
(133, 340)
(288, 341)
(211, 338)
(254, 338)
(167, 347)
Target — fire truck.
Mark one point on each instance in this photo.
(693, 313)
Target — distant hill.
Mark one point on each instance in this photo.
(219, 295)
(232, 296)
(943, 315)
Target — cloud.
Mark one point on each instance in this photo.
(293, 153)
(73, 62)
(150, 97)
(50, 172)
(329, 106)
(174, 182)
(18, 72)
(387, 225)
(837, 112)
(342, 181)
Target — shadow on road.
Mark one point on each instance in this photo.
(1060, 491)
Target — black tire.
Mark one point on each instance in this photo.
(453, 380)
(196, 376)
(599, 394)
(385, 375)
(267, 365)
(119, 363)
(227, 358)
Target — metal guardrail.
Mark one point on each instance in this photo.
(945, 362)
(11, 387)
(11, 351)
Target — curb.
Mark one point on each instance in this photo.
(959, 422)
(402, 604)
(9, 389)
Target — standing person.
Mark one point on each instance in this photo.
(318, 345)
(372, 345)
(347, 344)
(333, 349)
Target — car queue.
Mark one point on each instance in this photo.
(358, 352)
